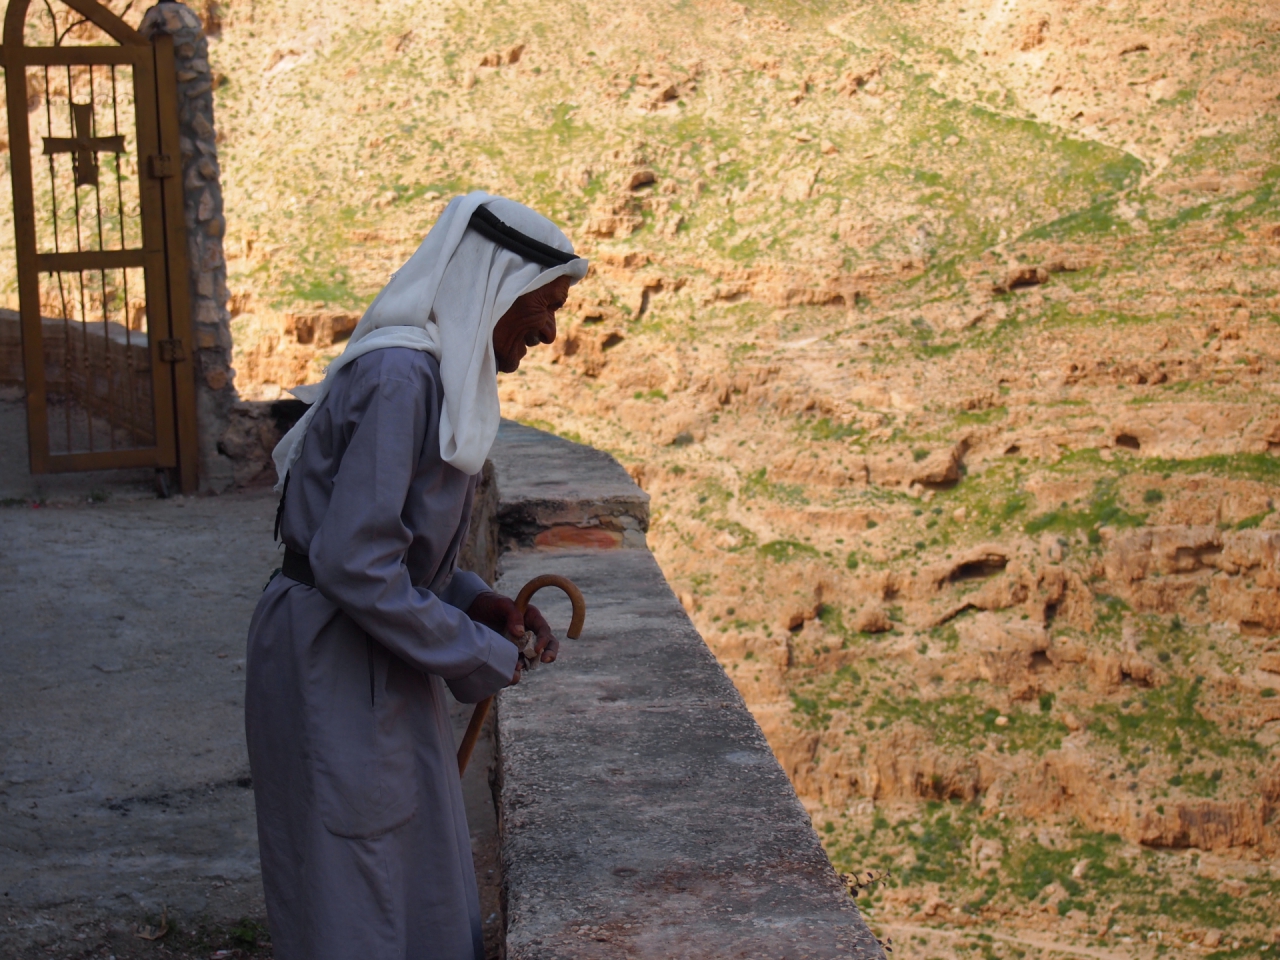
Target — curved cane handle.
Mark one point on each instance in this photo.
(569, 587)
(522, 603)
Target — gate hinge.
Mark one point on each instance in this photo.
(161, 165)
(171, 351)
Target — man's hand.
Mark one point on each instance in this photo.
(499, 614)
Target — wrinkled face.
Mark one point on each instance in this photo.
(530, 321)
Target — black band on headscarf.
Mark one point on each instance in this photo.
(490, 227)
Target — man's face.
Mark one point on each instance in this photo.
(530, 321)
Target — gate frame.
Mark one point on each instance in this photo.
(163, 255)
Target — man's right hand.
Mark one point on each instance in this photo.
(499, 614)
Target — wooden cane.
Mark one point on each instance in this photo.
(522, 602)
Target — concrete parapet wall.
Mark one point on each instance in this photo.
(560, 494)
(642, 812)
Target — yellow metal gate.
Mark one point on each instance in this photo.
(101, 244)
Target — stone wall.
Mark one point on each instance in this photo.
(480, 551)
(12, 371)
(105, 370)
(206, 225)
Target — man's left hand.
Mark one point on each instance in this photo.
(499, 614)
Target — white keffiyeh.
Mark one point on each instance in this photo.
(446, 301)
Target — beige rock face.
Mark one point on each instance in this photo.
(1162, 568)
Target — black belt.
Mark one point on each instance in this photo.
(296, 566)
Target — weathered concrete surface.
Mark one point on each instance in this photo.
(560, 494)
(642, 812)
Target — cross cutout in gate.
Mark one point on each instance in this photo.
(83, 147)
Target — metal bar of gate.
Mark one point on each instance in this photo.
(62, 294)
(111, 24)
(79, 56)
(92, 260)
(112, 407)
(124, 273)
(153, 240)
(24, 221)
(107, 459)
(87, 403)
(176, 263)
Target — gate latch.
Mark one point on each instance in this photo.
(171, 351)
(161, 165)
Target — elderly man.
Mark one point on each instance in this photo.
(363, 836)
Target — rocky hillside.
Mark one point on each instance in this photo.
(945, 337)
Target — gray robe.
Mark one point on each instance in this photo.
(365, 849)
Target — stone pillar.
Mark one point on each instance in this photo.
(202, 203)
